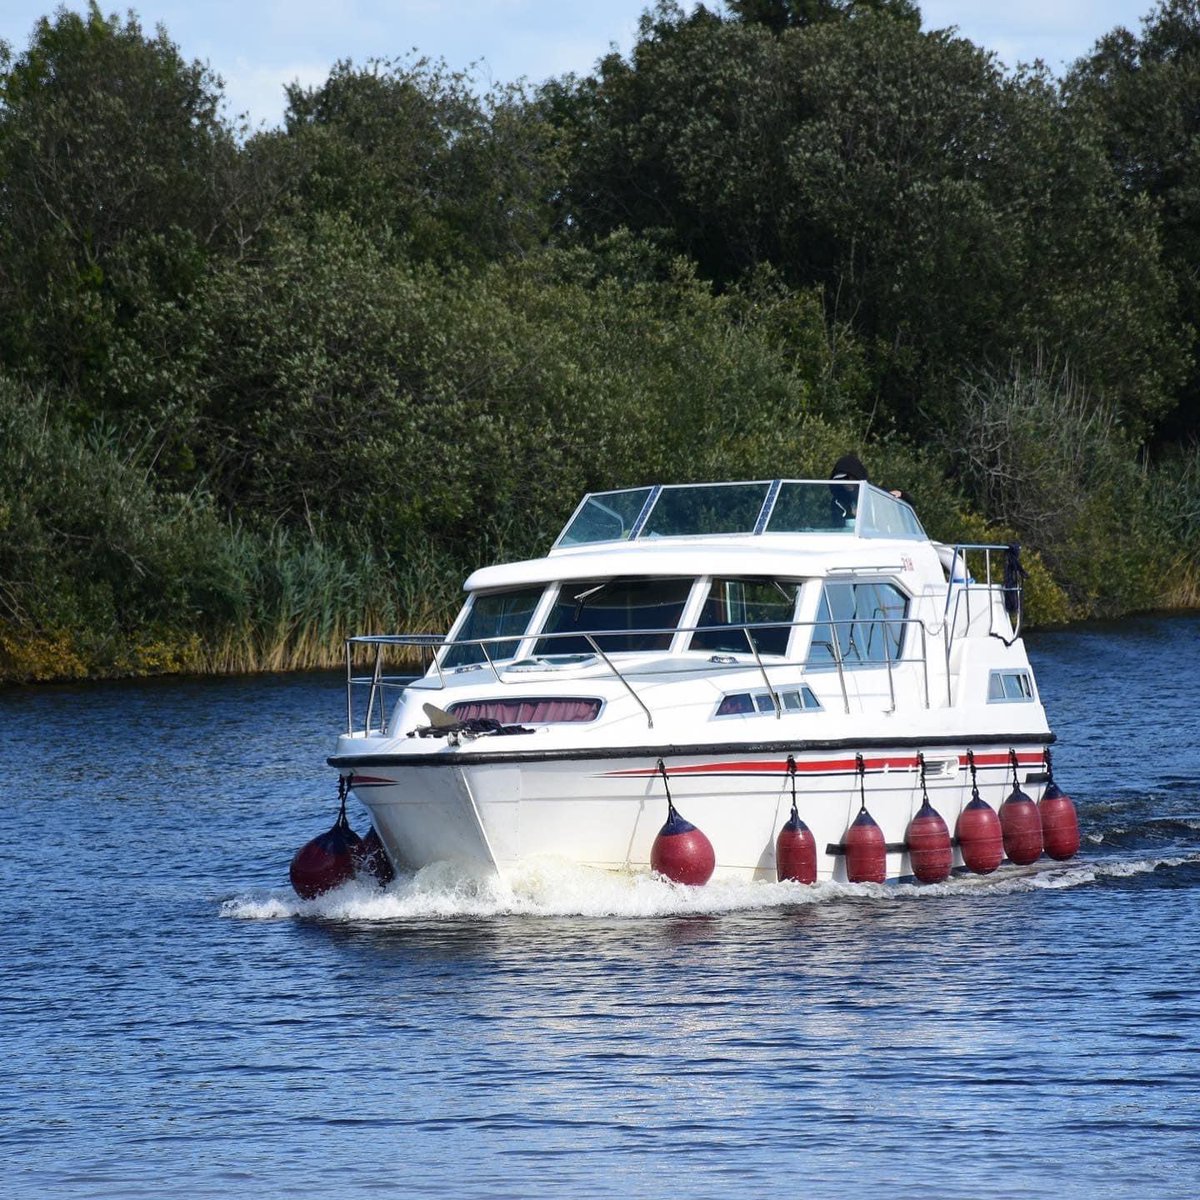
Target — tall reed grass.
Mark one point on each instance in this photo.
(102, 575)
(299, 598)
(1040, 456)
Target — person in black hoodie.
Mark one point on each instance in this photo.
(844, 497)
(849, 468)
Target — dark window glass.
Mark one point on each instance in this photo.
(733, 604)
(499, 614)
(706, 508)
(814, 508)
(1009, 685)
(614, 610)
(744, 703)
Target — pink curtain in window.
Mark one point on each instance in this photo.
(531, 712)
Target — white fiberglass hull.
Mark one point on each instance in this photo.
(493, 810)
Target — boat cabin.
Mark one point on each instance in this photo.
(801, 595)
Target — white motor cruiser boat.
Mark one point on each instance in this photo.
(727, 649)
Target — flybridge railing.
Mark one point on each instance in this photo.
(382, 689)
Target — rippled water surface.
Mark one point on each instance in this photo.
(174, 1022)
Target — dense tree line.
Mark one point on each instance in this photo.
(258, 387)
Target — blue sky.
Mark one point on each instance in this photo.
(257, 46)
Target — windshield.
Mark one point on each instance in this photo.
(733, 604)
(746, 509)
(815, 508)
(688, 510)
(611, 610)
(496, 615)
(605, 517)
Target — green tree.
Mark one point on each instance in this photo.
(112, 159)
(951, 214)
(778, 15)
(1055, 466)
(411, 153)
(347, 390)
(1143, 92)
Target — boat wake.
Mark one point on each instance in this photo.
(556, 888)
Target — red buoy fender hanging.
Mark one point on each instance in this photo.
(681, 852)
(866, 850)
(928, 839)
(1021, 828)
(328, 860)
(1060, 822)
(795, 847)
(980, 838)
(371, 859)
(864, 844)
(928, 843)
(1020, 823)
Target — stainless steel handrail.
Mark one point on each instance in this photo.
(379, 682)
(763, 672)
(960, 592)
(628, 687)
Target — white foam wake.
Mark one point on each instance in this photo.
(556, 888)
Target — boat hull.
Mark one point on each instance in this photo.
(493, 811)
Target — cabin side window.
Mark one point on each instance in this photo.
(1005, 687)
(620, 614)
(793, 700)
(858, 624)
(734, 604)
(496, 615)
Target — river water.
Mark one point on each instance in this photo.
(174, 1022)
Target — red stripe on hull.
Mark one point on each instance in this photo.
(833, 766)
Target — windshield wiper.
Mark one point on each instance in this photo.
(583, 597)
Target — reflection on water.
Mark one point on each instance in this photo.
(176, 1022)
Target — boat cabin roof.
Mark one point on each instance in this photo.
(781, 527)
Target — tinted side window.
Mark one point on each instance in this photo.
(613, 610)
(497, 615)
(733, 604)
(858, 623)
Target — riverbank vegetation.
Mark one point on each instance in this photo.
(260, 389)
